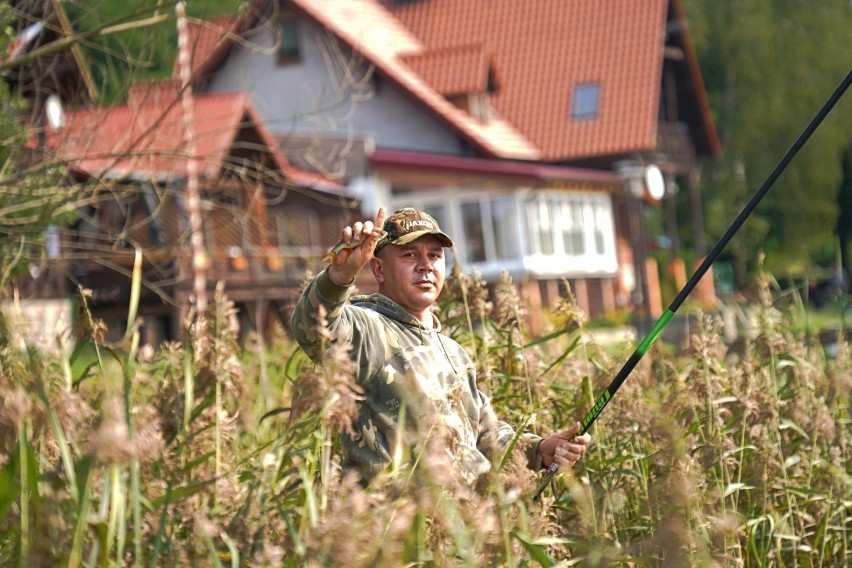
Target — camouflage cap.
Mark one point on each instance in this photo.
(409, 224)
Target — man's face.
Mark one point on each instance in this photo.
(412, 275)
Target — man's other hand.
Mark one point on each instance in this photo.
(565, 447)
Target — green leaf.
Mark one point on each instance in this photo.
(725, 400)
(752, 523)
(546, 338)
(294, 364)
(564, 355)
(738, 450)
(786, 423)
(734, 487)
(179, 494)
(537, 548)
(792, 460)
(514, 442)
(120, 359)
(10, 486)
(197, 461)
(84, 374)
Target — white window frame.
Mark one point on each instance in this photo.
(597, 227)
(452, 199)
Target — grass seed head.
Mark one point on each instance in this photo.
(110, 443)
(569, 315)
(507, 303)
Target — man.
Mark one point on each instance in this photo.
(405, 365)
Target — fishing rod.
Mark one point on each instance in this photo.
(652, 335)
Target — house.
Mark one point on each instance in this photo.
(523, 127)
(264, 221)
(262, 217)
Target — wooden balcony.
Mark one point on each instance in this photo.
(674, 142)
(271, 272)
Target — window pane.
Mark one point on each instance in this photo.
(572, 229)
(474, 237)
(600, 223)
(288, 47)
(585, 102)
(546, 221)
(577, 239)
(541, 217)
(533, 227)
(505, 229)
(439, 212)
(567, 225)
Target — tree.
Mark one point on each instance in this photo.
(136, 53)
(768, 66)
(844, 217)
(31, 197)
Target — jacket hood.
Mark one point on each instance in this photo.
(388, 308)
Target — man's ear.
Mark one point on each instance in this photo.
(376, 268)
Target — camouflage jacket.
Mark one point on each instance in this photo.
(402, 362)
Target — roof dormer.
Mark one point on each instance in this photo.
(465, 75)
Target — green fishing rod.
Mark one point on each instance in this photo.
(702, 269)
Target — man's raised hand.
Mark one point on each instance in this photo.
(355, 249)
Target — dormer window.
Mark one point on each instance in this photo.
(584, 104)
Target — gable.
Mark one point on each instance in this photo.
(455, 70)
(377, 38)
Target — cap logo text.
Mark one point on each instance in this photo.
(416, 224)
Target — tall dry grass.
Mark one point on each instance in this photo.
(183, 456)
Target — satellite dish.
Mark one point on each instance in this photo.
(55, 112)
(655, 183)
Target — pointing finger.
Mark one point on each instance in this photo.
(380, 218)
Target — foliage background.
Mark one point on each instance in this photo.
(768, 66)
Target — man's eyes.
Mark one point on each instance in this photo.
(432, 255)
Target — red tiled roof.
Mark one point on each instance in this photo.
(453, 70)
(145, 137)
(544, 48)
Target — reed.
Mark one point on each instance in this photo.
(182, 456)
